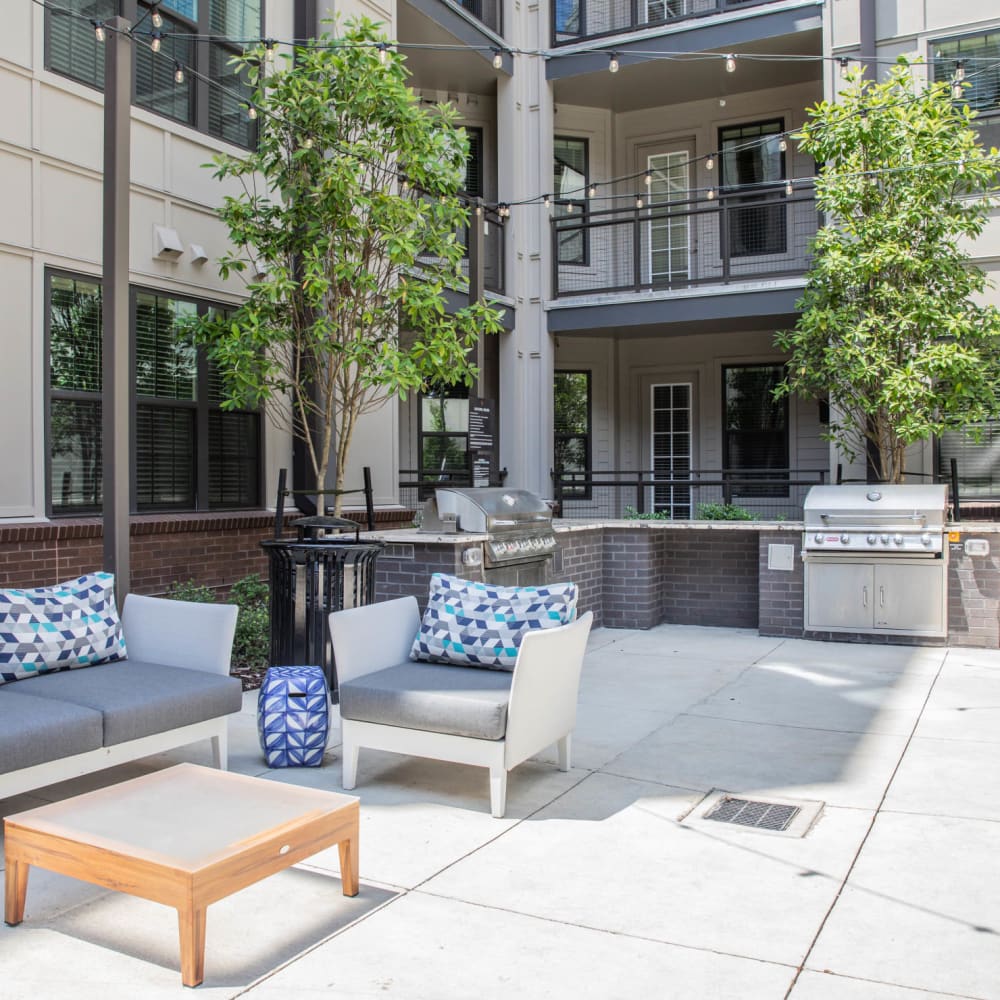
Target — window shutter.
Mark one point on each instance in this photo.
(474, 164)
(71, 48)
(978, 464)
(164, 457)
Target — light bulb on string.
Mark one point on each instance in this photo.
(710, 161)
(155, 42)
(308, 143)
(547, 201)
(710, 194)
(497, 59)
(647, 178)
(960, 71)
(845, 65)
(592, 191)
(782, 145)
(613, 64)
(569, 208)
(178, 73)
(788, 188)
(99, 33)
(269, 50)
(251, 112)
(157, 17)
(730, 64)
(383, 52)
(638, 201)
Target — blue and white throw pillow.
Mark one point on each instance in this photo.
(480, 625)
(73, 624)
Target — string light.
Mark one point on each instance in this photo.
(647, 178)
(479, 211)
(788, 188)
(497, 59)
(157, 17)
(383, 52)
(782, 145)
(155, 42)
(569, 208)
(251, 112)
(613, 64)
(960, 70)
(638, 201)
(547, 201)
(178, 73)
(99, 32)
(269, 50)
(845, 65)
(592, 191)
(710, 161)
(710, 194)
(730, 64)
(308, 144)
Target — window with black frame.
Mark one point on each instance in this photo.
(571, 424)
(203, 35)
(570, 176)
(190, 454)
(443, 431)
(755, 428)
(976, 60)
(752, 167)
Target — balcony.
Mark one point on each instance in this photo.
(579, 20)
(487, 12)
(493, 245)
(756, 234)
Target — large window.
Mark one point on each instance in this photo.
(979, 56)
(571, 422)
(212, 99)
(569, 186)
(755, 425)
(444, 434)
(189, 454)
(977, 462)
(752, 169)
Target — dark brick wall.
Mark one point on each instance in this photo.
(974, 595)
(580, 558)
(709, 577)
(782, 606)
(632, 566)
(405, 568)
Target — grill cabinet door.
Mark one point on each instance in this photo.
(909, 596)
(839, 595)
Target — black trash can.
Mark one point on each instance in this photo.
(319, 572)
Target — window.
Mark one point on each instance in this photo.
(189, 453)
(217, 108)
(569, 185)
(669, 231)
(755, 425)
(571, 423)
(474, 164)
(752, 203)
(978, 463)
(980, 56)
(444, 434)
(671, 447)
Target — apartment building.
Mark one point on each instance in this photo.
(656, 237)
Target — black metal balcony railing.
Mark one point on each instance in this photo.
(493, 269)
(489, 12)
(417, 485)
(758, 233)
(578, 20)
(764, 494)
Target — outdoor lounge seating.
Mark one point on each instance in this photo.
(172, 689)
(468, 715)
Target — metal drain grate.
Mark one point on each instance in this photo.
(746, 812)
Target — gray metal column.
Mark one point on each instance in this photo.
(488, 348)
(116, 409)
(866, 38)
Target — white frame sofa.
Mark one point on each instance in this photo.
(173, 689)
(468, 715)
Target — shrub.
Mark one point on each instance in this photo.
(631, 514)
(191, 591)
(724, 512)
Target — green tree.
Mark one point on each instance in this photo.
(349, 204)
(890, 328)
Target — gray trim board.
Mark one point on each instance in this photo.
(459, 300)
(465, 30)
(730, 34)
(728, 311)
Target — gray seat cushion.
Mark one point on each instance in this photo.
(138, 699)
(461, 701)
(37, 730)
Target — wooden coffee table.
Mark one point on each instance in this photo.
(186, 836)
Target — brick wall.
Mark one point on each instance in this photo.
(633, 570)
(580, 558)
(709, 577)
(782, 604)
(405, 568)
(974, 595)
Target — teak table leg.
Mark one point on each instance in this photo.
(15, 890)
(192, 927)
(349, 865)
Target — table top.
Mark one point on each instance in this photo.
(186, 816)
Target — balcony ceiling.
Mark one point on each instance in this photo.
(657, 82)
(466, 72)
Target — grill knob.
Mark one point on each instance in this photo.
(818, 538)
(872, 539)
(844, 539)
(885, 539)
(925, 539)
(898, 539)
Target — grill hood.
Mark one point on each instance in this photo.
(485, 510)
(878, 499)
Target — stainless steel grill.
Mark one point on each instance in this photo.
(875, 559)
(518, 525)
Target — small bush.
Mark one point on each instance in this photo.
(191, 591)
(724, 512)
(631, 514)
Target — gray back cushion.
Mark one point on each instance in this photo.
(37, 730)
(461, 701)
(138, 699)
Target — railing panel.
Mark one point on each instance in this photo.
(488, 12)
(736, 237)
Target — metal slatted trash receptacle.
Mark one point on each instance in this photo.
(321, 571)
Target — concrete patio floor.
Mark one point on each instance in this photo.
(604, 882)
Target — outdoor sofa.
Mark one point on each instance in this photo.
(172, 688)
(494, 718)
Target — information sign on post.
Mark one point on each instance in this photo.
(482, 440)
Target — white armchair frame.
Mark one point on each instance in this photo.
(541, 710)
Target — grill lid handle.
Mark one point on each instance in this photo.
(866, 516)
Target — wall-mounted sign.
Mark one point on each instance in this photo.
(482, 440)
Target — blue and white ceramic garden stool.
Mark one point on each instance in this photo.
(293, 716)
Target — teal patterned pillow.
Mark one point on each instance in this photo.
(479, 625)
(73, 624)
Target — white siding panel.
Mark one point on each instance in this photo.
(15, 182)
(148, 168)
(70, 213)
(15, 39)
(72, 126)
(15, 122)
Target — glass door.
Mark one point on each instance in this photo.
(669, 237)
(670, 420)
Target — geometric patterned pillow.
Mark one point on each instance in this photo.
(473, 624)
(73, 624)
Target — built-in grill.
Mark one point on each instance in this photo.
(875, 559)
(518, 525)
